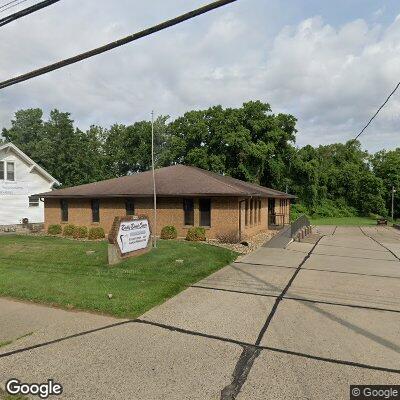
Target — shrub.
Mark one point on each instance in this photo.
(231, 237)
(96, 233)
(54, 230)
(196, 234)
(80, 232)
(69, 230)
(169, 232)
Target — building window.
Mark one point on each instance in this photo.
(1, 170)
(251, 212)
(95, 210)
(129, 207)
(247, 213)
(10, 171)
(64, 210)
(205, 212)
(33, 201)
(188, 209)
(259, 211)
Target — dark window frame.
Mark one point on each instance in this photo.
(13, 171)
(2, 170)
(64, 210)
(205, 212)
(95, 205)
(130, 206)
(33, 201)
(188, 212)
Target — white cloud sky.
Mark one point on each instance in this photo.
(330, 71)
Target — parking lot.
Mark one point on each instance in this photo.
(303, 322)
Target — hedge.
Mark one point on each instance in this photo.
(169, 232)
(196, 234)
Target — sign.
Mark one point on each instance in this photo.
(130, 236)
(133, 235)
(8, 188)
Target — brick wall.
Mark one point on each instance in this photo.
(224, 213)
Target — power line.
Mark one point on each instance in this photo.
(379, 109)
(118, 43)
(26, 11)
(5, 8)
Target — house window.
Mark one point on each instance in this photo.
(188, 209)
(129, 207)
(1, 170)
(251, 213)
(205, 212)
(10, 171)
(33, 201)
(64, 210)
(95, 210)
(259, 211)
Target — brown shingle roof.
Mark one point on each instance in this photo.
(176, 180)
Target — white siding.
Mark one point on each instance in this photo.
(13, 208)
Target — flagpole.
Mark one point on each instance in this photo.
(154, 182)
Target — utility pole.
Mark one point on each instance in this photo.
(154, 182)
(393, 192)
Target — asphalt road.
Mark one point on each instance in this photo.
(303, 322)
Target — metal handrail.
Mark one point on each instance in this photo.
(300, 223)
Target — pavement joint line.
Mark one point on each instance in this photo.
(36, 346)
(350, 273)
(343, 304)
(398, 259)
(264, 265)
(245, 362)
(208, 336)
(298, 299)
(359, 258)
(352, 248)
(255, 346)
(334, 231)
(280, 297)
(322, 270)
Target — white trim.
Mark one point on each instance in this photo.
(28, 160)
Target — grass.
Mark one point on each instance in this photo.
(75, 274)
(345, 221)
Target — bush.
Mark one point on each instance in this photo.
(231, 237)
(169, 232)
(54, 230)
(196, 234)
(96, 233)
(296, 210)
(80, 232)
(69, 230)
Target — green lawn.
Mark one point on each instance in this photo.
(75, 275)
(5, 396)
(346, 221)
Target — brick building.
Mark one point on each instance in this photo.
(186, 197)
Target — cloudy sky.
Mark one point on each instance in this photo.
(330, 64)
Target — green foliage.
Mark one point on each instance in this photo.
(54, 230)
(248, 142)
(96, 232)
(196, 234)
(69, 230)
(296, 210)
(80, 232)
(169, 232)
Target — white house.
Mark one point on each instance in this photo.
(20, 179)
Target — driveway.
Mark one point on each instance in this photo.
(303, 322)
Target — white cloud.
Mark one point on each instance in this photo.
(331, 78)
